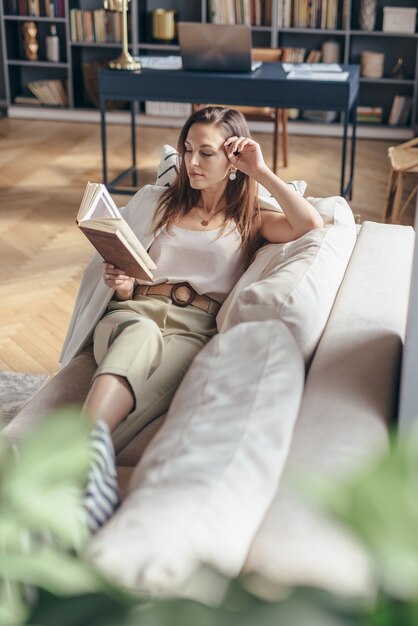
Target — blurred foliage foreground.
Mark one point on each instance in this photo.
(45, 581)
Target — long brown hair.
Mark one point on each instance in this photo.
(241, 202)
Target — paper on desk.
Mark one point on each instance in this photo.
(314, 67)
(172, 62)
(307, 75)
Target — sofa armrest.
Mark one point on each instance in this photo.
(68, 387)
(349, 400)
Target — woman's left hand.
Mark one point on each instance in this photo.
(245, 154)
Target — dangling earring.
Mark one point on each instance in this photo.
(233, 173)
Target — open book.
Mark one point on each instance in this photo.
(102, 223)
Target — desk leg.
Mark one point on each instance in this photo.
(103, 135)
(344, 154)
(133, 144)
(353, 145)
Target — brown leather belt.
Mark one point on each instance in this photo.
(182, 294)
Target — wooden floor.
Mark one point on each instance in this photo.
(44, 167)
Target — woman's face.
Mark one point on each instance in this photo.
(205, 158)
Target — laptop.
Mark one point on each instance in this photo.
(216, 47)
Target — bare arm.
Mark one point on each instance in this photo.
(298, 217)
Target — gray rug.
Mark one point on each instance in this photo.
(15, 389)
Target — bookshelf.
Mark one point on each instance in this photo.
(3, 99)
(274, 24)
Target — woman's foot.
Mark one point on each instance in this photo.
(101, 497)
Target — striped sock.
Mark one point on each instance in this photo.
(101, 496)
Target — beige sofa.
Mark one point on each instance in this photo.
(329, 425)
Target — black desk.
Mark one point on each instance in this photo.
(267, 86)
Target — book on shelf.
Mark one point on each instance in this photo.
(102, 223)
(400, 111)
(297, 55)
(175, 109)
(314, 56)
(294, 55)
(95, 26)
(284, 14)
(12, 7)
(324, 14)
(27, 100)
(369, 115)
(251, 12)
(49, 92)
(35, 8)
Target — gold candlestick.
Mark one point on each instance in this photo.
(125, 60)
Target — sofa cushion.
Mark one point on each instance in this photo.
(296, 282)
(168, 166)
(206, 480)
(350, 397)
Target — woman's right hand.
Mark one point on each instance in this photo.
(245, 154)
(116, 279)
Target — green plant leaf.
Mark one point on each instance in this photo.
(59, 573)
(13, 610)
(40, 486)
(55, 453)
(83, 610)
(301, 608)
(58, 510)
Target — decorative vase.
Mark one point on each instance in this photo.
(372, 64)
(330, 51)
(367, 17)
(164, 24)
(30, 42)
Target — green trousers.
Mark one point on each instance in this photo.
(151, 342)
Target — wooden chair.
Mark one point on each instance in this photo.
(404, 162)
(270, 114)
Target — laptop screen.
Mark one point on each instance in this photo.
(216, 47)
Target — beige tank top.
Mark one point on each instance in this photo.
(210, 261)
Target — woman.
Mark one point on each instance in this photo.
(207, 227)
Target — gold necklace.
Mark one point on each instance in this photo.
(203, 221)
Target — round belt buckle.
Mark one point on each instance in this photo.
(182, 302)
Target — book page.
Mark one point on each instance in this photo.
(102, 208)
(89, 192)
(106, 225)
(112, 209)
(97, 202)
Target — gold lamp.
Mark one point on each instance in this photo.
(125, 60)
